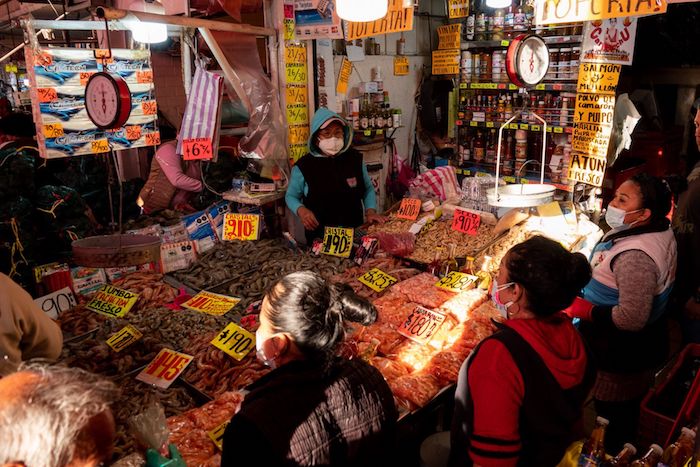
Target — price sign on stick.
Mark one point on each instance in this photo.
(164, 368)
(409, 209)
(124, 338)
(337, 241)
(197, 148)
(241, 227)
(422, 324)
(217, 434)
(211, 303)
(234, 341)
(466, 222)
(377, 280)
(456, 281)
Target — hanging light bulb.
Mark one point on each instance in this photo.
(498, 3)
(361, 11)
(142, 31)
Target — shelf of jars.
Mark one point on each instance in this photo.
(563, 86)
(554, 40)
(475, 169)
(514, 126)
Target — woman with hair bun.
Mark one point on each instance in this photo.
(313, 408)
(520, 395)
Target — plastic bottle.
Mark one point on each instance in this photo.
(624, 457)
(651, 458)
(564, 113)
(480, 27)
(491, 147)
(479, 148)
(593, 450)
(471, 22)
(678, 453)
(498, 22)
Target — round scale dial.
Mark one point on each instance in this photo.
(527, 60)
(107, 100)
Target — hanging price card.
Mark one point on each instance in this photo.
(144, 77)
(99, 146)
(456, 281)
(124, 338)
(466, 222)
(337, 241)
(217, 435)
(234, 341)
(153, 139)
(241, 227)
(211, 303)
(197, 148)
(53, 130)
(409, 209)
(149, 107)
(377, 280)
(422, 324)
(343, 76)
(165, 368)
(47, 95)
(112, 301)
(133, 132)
(85, 77)
(401, 66)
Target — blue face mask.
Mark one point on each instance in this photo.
(502, 307)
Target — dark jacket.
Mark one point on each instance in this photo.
(300, 415)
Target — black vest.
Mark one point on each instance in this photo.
(548, 415)
(336, 189)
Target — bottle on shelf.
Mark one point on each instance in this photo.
(379, 117)
(678, 453)
(593, 450)
(564, 112)
(650, 459)
(480, 27)
(388, 120)
(529, 9)
(509, 22)
(364, 113)
(508, 108)
(489, 26)
(491, 147)
(498, 22)
(485, 74)
(476, 67)
(508, 155)
(434, 266)
(519, 19)
(372, 117)
(623, 458)
(470, 22)
(479, 148)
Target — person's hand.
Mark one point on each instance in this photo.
(154, 459)
(307, 218)
(692, 309)
(581, 309)
(374, 218)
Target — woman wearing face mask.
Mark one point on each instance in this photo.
(313, 408)
(330, 187)
(622, 310)
(520, 394)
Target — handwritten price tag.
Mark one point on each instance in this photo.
(466, 222)
(234, 341)
(47, 94)
(57, 302)
(217, 435)
(241, 227)
(296, 73)
(197, 148)
(409, 209)
(456, 281)
(53, 130)
(297, 114)
(211, 303)
(103, 53)
(144, 77)
(149, 107)
(298, 134)
(153, 139)
(133, 132)
(377, 280)
(124, 338)
(99, 146)
(295, 54)
(297, 94)
(85, 77)
(422, 324)
(401, 66)
(112, 301)
(337, 241)
(165, 368)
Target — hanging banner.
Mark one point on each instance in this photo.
(590, 138)
(297, 94)
(449, 36)
(594, 108)
(609, 41)
(397, 19)
(344, 76)
(598, 78)
(446, 62)
(572, 11)
(457, 8)
(316, 19)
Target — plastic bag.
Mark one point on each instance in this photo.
(151, 428)
(398, 244)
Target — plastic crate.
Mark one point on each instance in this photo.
(656, 427)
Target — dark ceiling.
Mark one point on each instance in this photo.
(669, 40)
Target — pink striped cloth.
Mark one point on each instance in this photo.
(441, 181)
(203, 111)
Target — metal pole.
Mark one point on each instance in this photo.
(21, 46)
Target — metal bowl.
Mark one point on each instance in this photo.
(521, 195)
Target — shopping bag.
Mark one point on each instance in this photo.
(441, 182)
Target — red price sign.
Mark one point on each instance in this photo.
(466, 222)
(47, 94)
(163, 370)
(133, 132)
(409, 209)
(153, 139)
(197, 148)
(144, 77)
(241, 226)
(149, 107)
(422, 324)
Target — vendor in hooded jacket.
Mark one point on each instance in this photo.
(329, 186)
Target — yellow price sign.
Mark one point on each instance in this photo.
(473, 123)
(234, 341)
(295, 54)
(217, 435)
(458, 8)
(296, 73)
(99, 146)
(456, 281)
(53, 130)
(297, 114)
(377, 280)
(337, 241)
(241, 226)
(513, 126)
(558, 129)
(535, 127)
(344, 76)
(489, 124)
(298, 134)
(211, 303)
(124, 338)
(401, 66)
(112, 301)
(524, 126)
(540, 87)
(297, 94)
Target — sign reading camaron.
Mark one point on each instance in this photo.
(570, 11)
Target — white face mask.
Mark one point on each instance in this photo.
(261, 353)
(502, 307)
(615, 217)
(331, 146)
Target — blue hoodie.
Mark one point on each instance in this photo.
(298, 188)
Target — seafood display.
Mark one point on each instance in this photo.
(79, 320)
(435, 237)
(390, 266)
(150, 287)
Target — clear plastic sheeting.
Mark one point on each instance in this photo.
(266, 135)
